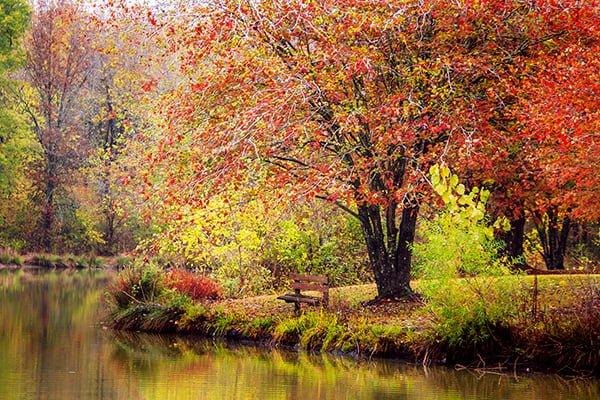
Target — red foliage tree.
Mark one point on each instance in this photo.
(542, 159)
(348, 101)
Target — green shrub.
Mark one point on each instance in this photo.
(223, 324)
(10, 256)
(95, 261)
(43, 260)
(459, 243)
(259, 327)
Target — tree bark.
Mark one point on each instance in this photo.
(388, 246)
(553, 239)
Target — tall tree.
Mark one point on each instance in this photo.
(348, 101)
(541, 161)
(13, 139)
(563, 105)
(118, 113)
(57, 64)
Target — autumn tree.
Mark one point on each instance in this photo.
(564, 109)
(347, 101)
(13, 22)
(540, 163)
(56, 67)
(118, 112)
(14, 140)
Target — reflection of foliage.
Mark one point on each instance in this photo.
(225, 370)
(46, 321)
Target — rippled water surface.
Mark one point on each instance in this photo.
(53, 347)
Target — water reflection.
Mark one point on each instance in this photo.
(217, 370)
(52, 347)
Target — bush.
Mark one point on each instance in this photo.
(17, 260)
(93, 261)
(198, 287)
(46, 260)
(575, 326)
(10, 256)
(459, 243)
(138, 284)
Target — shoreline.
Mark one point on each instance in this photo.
(493, 363)
(393, 330)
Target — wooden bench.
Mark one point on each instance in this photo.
(309, 283)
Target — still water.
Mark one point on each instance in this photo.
(52, 346)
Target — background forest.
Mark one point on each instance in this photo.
(253, 139)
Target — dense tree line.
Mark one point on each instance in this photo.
(198, 116)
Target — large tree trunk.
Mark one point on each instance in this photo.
(517, 236)
(388, 245)
(553, 238)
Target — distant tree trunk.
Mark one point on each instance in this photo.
(517, 236)
(514, 240)
(553, 238)
(388, 246)
(49, 208)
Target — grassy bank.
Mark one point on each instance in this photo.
(552, 323)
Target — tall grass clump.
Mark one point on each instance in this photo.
(123, 261)
(310, 329)
(468, 288)
(141, 283)
(10, 256)
(46, 260)
(5, 258)
(145, 297)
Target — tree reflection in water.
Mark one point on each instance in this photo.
(53, 347)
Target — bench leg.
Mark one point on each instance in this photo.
(297, 307)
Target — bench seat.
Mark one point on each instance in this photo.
(308, 283)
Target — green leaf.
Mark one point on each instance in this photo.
(453, 181)
(440, 189)
(445, 172)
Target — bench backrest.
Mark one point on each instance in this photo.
(309, 282)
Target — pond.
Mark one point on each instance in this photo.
(53, 346)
